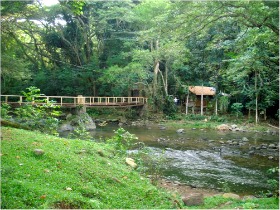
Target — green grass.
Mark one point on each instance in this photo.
(219, 202)
(85, 175)
(31, 181)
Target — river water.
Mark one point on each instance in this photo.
(227, 161)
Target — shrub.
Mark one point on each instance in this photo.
(38, 117)
(5, 110)
(195, 117)
(169, 107)
(237, 109)
(122, 140)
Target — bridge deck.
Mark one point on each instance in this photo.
(71, 101)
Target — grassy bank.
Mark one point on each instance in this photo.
(85, 175)
(70, 174)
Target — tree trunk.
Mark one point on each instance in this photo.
(187, 104)
(156, 70)
(249, 114)
(166, 78)
(216, 105)
(256, 78)
(164, 83)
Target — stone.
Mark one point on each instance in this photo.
(272, 146)
(231, 195)
(68, 116)
(66, 127)
(180, 130)
(223, 127)
(249, 197)
(245, 139)
(234, 126)
(251, 152)
(194, 199)
(130, 162)
(270, 157)
(38, 152)
(252, 148)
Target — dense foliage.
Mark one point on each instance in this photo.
(108, 48)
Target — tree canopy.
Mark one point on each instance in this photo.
(106, 48)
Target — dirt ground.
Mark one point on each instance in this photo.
(184, 190)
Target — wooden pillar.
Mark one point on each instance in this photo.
(81, 108)
(201, 102)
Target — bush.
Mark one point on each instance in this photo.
(237, 109)
(38, 117)
(216, 118)
(122, 140)
(5, 110)
(195, 117)
(169, 107)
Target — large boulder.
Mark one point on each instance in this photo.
(223, 127)
(80, 120)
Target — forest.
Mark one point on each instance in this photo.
(161, 47)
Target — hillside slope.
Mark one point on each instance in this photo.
(70, 174)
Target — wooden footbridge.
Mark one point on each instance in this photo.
(70, 101)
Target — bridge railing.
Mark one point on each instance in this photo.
(74, 101)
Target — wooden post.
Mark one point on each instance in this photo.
(81, 101)
(20, 100)
(193, 107)
(201, 102)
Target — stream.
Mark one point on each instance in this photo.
(226, 161)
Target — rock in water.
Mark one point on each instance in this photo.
(245, 139)
(65, 127)
(194, 199)
(180, 130)
(130, 162)
(234, 126)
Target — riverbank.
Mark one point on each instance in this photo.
(181, 120)
(43, 171)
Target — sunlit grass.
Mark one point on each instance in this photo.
(70, 174)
